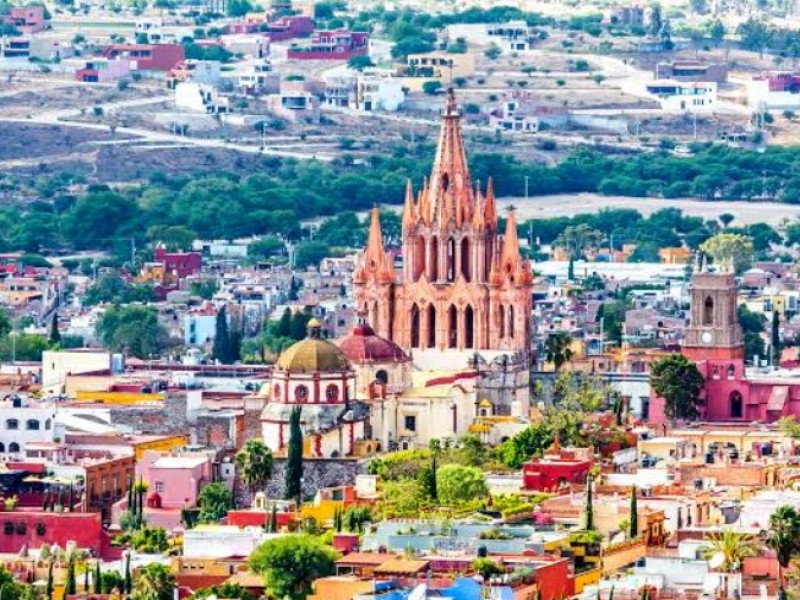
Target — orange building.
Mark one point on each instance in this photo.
(463, 285)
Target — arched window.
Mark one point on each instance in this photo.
(452, 327)
(331, 393)
(511, 321)
(382, 376)
(451, 259)
(32, 425)
(737, 405)
(276, 392)
(731, 371)
(415, 326)
(502, 321)
(12, 424)
(469, 327)
(419, 257)
(301, 393)
(13, 447)
(466, 256)
(431, 326)
(708, 311)
(2, 447)
(434, 258)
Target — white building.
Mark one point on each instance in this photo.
(200, 97)
(259, 78)
(23, 423)
(773, 91)
(151, 31)
(684, 96)
(363, 92)
(58, 364)
(200, 325)
(511, 36)
(222, 541)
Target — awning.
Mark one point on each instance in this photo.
(777, 398)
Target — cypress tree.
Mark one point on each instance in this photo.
(285, 323)
(571, 269)
(86, 579)
(294, 458)
(221, 348)
(273, 519)
(130, 494)
(50, 580)
(634, 519)
(433, 493)
(71, 586)
(589, 506)
(55, 334)
(98, 578)
(776, 338)
(128, 580)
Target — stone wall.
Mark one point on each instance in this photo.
(167, 417)
(317, 474)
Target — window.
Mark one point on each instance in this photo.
(32, 425)
(12, 424)
(160, 487)
(48, 424)
(276, 392)
(301, 393)
(382, 376)
(737, 402)
(410, 422)
(708, 311)
(13, 447)
(331, 393)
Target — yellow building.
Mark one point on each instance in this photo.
(675, 255)
(435, 66)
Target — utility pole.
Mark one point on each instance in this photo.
(133, 255)
(526, 188)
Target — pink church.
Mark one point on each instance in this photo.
(714, 341)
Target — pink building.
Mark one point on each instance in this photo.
(174, 479)
(101, 71)
(27, 19)
(339, 44)
(714, 341)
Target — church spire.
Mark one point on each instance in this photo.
(409, 216)
(423, 204)
(451, 194)
(490, 207)
(375, 260)
(510, 240)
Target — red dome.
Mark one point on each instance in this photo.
(363, 345)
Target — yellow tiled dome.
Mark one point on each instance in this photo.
(312, 354)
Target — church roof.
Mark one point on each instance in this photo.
(313, 355)
(363, 345)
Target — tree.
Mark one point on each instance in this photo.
(726, 219)
(153, 582)
(50, 581)
(224, 590)
(266, 247)
(97, 579)
(133, 329)
(128, 580)
(255, 463)
(775, 338)
(730, 251)
(486, 568)
(557, 348)
(239, 8)
(588, 511)
(221, 350)
(784, 536)
(174, 238)
(677, 380)
(360, 62)
(717, 32)
(294, 458)
(290, 564)
(579, 238)
(493, 52)
(732, 546)
(55, 334)
(633, 521)
(432, 87)
(310, 254)
(215, 500)
(457, 484)
(71, 585)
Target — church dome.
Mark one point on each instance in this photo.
(364, 345)
(313, 354)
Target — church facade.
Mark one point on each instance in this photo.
(715, 343)
(463, 286)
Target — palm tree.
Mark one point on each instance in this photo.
(557, 348)
(784, 536)
(733, 547)
(255, 464)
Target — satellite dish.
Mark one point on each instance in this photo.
(716, 561)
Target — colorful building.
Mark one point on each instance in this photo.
(338, 44)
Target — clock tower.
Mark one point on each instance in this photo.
(714, 331)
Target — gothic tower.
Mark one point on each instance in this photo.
(464, 286)
(714, 331)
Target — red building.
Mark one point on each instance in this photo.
(179, 264)
(570, 465)
(27, 19)
(147, 57)
(285, 28)
(339, 44)
(33, 529)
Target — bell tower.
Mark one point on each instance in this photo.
(714, 331)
